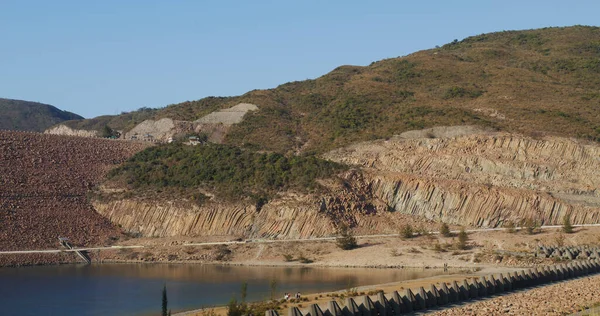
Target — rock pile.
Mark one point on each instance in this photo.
(43, 185)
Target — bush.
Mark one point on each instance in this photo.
(510, 227)
(530, 226)
(288, 257)
(406, 231)
(445, 230)
(222, 253)
(422, 230)
(304, 259)
(346, 240)
(567, 227)
(462, 239)
(234, 309)
(438, 248)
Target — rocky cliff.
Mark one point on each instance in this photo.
(289, 216)
(481, 178)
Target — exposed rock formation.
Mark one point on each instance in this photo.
(228, 117)
(288, 216)
(67, 131)
(285, 219)
(215, 125)
(482, 179)
(160, 130)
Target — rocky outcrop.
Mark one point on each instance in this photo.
(483, 178)
(228, 117)
(160, 130)
(284, 219)
(67, 131)
(475, 204)
(215, 125)
(290, 216)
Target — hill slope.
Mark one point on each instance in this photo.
(542, 81)
(45, 179)
(31, 116)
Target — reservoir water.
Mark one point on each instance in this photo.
(135, 289)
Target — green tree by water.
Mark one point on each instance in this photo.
(165, 302)
(244, 291)
(273, 286)
(346, 241)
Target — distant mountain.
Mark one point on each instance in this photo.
(31, 116)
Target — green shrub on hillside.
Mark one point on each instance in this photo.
(228, 171)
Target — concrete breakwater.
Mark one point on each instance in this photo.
(445, 294)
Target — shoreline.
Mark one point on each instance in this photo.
(472, 268)
(323, 297)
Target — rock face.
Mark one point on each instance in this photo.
(67, 131)
(159, 130)
(481, 178)
(286, 217)
(215, 125)
(228, 117)
(162, 219)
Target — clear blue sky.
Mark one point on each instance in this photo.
(108, 56)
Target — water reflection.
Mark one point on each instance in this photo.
(134, 289)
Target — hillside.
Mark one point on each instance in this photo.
(31, 116)
(535, 82)
(45, 179)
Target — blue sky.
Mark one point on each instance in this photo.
(104, 57)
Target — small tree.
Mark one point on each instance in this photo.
(273, 286)
(233, 308)
(406, 231)
(462, 239)
(530, 226)
(422, 230)
(165, 302)
(244, 291)
(108, 132)
(346, 240)
(445, 230)
(567, 227)
(510, 227)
